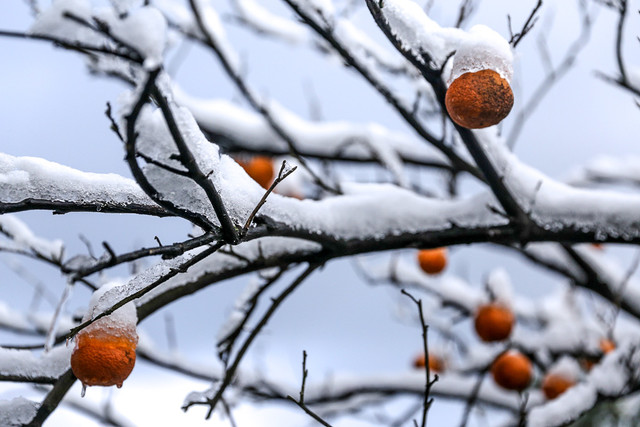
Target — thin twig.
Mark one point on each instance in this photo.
(233, 367)
(426, 404)
(528, 25)
(282, 174)
(300, 401)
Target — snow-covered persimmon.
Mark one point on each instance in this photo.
(479, 99)
(553, 385)
(105, 351)
(432, 261)
(493, 322)
(512, 370)
(260, 168)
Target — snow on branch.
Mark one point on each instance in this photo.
(29, 183)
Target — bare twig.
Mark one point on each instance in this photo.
(282, 174)
(427, 401)
(300, 401)
(259, 106)
(528, 25)
(231, 369)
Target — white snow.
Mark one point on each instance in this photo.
(17, 412)
(483, 49)
(51, 22)
(122, 321)
(263, 20)
(419, 33)
(145, 30)
(27, 364)
(566, 407)
(23, 178)
(23, 239)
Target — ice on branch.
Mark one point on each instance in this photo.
(23, 239)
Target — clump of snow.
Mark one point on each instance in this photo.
(419, 33)
(17, 412)
(566, 367)
(566, 407)
(22, 238)
(265, 21)
(499, 286)
(122, 322)
(24, 178)
(28, 365)
(52, 22)
(483, 49)
(145, 30)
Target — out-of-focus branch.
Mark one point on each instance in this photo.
(232, 368)
(528, 25)
(210, 41)
(553, 76)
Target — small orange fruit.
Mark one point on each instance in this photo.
(553, 385)
(103, 357)
(432, 261)
(478, 100)
(598, 246)
(436, 363)
(260, 168)
(512, 370)
(493, 322)
(606, 345)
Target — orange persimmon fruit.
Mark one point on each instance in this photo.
(512, 370)
(493, 322)
(479, 99)
(103, 358)
(432, 261)
(607, 346)
(436, 363)
(553, 385)
(260, 168)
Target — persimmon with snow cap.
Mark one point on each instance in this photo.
(432, 261)
(105, 351)
(512, 370)
(479, 93)
(560, 377)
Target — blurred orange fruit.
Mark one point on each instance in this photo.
(436, 364)
(432, 261)
(493, 322)
(553, 385)
(512, 370)
(260, 168)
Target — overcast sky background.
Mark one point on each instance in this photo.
(50, 107)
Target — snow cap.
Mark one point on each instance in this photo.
(483, 49)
